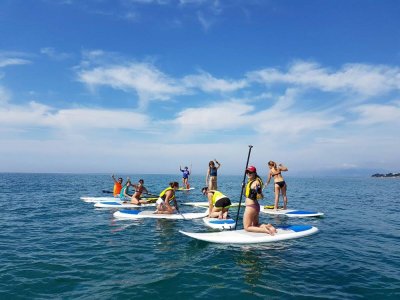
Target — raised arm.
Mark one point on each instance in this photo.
(217, 163)
(113, 177)
(282, 168)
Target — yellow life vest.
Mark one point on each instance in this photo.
(248, 187)
(162, 194)
(217, 195)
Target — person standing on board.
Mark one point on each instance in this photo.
(166, 196)
(117, 185)
(212, 172)
(279, 183)
(139, 189)
(218, 203)
(253, 193)
(185, 177)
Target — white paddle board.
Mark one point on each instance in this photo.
(119, 204)
(97, 199)
(245, 237)
(138, 214)
(183, 189)
(205, 204)
(222, 224)
(111, 199)
(293, 213)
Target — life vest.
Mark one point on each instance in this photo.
(248, 188)
(216, 196)
(117, 188)
(162, 194)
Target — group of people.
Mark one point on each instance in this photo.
(219, 203)
(164, 199)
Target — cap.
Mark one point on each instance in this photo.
(251, 169)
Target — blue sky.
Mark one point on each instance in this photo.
(143, 86)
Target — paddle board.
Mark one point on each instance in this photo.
(205, 204)
(183, 189)
(116, 199)
(245, 237)
(119, 204)
(222, 224)
(97, 199)
(138, 214)
(293, 213)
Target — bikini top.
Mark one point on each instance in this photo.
(276, 174)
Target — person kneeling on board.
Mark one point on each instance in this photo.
(139, 189)
(124, 194)
(166, 196)
(218, 203)
(253, 193)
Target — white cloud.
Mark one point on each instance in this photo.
(207, 83)
(366, 80)
(148, 82)
(80, 119)
(371, 114)
(53, 54)
(4, 61)
(5, 95)
(224, 115)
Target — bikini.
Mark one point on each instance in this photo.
(281, 184)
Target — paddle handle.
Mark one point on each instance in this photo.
(241, 190)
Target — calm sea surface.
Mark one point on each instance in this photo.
(55, 246)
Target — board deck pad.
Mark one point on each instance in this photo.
(292, 212)
(222, 224)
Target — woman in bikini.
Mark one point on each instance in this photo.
(139, 189)
(253, 193)
(212, 172)
(279, 183)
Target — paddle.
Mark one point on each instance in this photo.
(107, 192)
(244, 179)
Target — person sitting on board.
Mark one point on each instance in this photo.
(117, 185)
(166, 196)
(279, 182)
(212, 173)
(218, 203)
(139, 189)
(124, 194)
(253, 193)
(185, 177)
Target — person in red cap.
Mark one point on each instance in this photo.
(279, 183)
(253, 193)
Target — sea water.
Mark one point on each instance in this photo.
(55, 246)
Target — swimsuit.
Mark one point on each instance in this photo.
(185, 174)
(281, 184)
(256, 206)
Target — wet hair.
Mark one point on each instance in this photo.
(204, 189)
(141, 180)
(174, 184)
(211, 163)
(272, 164)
